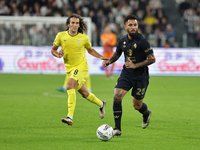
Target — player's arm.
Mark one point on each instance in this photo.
(150, 60)
(114, 58)
(94, 53)
(55, 53)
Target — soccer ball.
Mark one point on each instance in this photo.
(105, 132)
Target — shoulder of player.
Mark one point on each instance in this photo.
(141, 37)
(79, 35)
(61, 33)
(82, 35)
(122, 39)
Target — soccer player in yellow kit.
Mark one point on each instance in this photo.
(87, 83)
(74, 42)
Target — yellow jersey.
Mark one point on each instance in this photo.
(73, 47)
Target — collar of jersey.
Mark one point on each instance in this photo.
(71, 35)
(133, 38)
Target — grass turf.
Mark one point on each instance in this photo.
(31, 109)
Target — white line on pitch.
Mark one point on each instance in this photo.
(52, 95)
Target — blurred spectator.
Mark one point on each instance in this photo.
(140, 14)
(142, 4)
(106, 8)
(94, 6)
(43, 10)
(149, 18)
(2, 35)
(114, 3)
(198, 38)
(166, 44)
(150, 15)
(155, 4)
(170, 34)
(163, 24)
(10, 35)
(159, 12)
(126, 9)
(188, 13)
(15, 10)
(183, 6)
(49, 12)
(3, 7)
(198, 10)
(195, 4)
(134, 4)
(191, 18)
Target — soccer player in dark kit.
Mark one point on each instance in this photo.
(138, 55)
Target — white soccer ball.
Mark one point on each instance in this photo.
(105, 132)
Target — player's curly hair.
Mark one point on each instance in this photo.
(129, 17)
(83, 25)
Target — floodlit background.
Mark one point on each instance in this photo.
(31, 108)
(28, 29)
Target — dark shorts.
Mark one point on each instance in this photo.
(139, 87)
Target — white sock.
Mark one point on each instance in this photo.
(101, 105)
(70, 117)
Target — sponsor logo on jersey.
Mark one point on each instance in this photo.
(135, 46)
(124, 44)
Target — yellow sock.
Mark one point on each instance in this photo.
(71, 101)
(88, 82)
(91, 97)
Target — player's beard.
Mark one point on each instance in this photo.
(132, 35)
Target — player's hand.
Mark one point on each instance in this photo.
(105, 63)
(60, 53)
(130, 64)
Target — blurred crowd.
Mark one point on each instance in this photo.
(153, 22)
(190, 13)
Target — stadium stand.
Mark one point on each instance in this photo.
(157, 19)
(190, 15)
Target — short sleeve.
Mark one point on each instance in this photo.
(57, 40)
(118, 48)
(87, 43)
(146, 47)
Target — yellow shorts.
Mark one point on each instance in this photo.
(79, 73)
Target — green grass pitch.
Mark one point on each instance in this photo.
(31, 111)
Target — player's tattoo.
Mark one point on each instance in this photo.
(114, 57)
(149, 61)
(118, 97)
